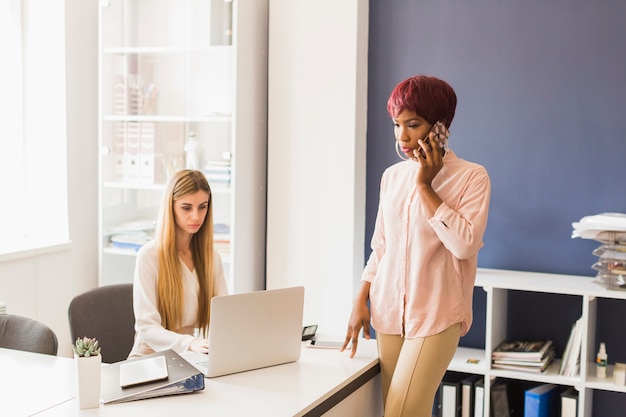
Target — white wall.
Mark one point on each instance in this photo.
(42, 286)
(316, 223)
(317, 99)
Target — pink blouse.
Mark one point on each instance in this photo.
(422, 270)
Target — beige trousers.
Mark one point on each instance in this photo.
(412, 369)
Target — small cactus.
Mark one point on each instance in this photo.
(86, 347)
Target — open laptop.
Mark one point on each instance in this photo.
(252, 330)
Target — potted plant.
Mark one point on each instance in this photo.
(88, 366)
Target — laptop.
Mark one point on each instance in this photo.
(252, 330)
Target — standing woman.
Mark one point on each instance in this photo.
(178, 272)
(419, 279)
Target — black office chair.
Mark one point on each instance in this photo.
(105, 313)
(24, 333)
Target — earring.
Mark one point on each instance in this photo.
(400, 154)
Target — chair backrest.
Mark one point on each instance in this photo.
(24, 333)
(105, 313)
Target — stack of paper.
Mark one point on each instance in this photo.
(521, 355)
(600, 226)
(610, 229)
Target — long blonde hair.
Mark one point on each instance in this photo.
(170, 273)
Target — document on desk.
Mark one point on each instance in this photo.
(181, 378)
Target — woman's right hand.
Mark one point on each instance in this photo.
(359, 319)
(199, 345)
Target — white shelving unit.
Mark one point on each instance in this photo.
(170, 70)
(497, 284)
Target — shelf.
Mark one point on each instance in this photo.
(499, 284)
(133, 186)
(215, 188)
(542, 282)
(119, 251)
(156, 50)
(604, 384)
(213, 118)
(549, 376)
(465, 361)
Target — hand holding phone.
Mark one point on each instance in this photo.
(439, 134)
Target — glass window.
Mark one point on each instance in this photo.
(33, 147)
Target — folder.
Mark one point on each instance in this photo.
(450, 397)
(500, 399)
(182, 378)
(569, 403)
(541, 401)
(479, 397)
(468, 395)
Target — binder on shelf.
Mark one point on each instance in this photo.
(500, 406)
(182, 378)
(119, 140)
(479, 397)
(450, 398)
(131, 151)
(569, 403)
(468, 395)
(541, 401)
(147, 152)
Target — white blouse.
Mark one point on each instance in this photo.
(150, 335)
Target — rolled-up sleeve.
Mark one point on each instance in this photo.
(461, 231)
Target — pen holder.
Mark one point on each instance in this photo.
(88, 370)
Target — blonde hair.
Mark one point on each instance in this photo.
(170, 273)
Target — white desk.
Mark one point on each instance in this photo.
(323, 382)
(32, 382)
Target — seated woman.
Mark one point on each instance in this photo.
(179, 272)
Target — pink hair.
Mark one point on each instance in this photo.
(428, 97)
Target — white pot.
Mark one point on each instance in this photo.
(89, 370)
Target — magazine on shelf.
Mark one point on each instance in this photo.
(520, 368)
(525, 366)
(543, 362)
(522, 349)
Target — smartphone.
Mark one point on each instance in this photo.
(308, 332)
(441, 134)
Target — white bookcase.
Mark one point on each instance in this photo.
(497, 284)
(176, 75)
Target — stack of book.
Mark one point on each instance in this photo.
(218, 173)
(610, 230)
(521, 355)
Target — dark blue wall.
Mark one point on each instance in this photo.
(541, 86)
